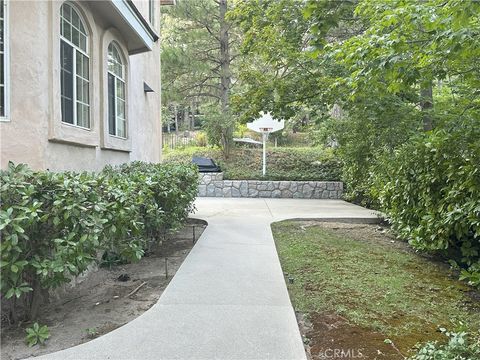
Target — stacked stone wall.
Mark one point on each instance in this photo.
(213, 185)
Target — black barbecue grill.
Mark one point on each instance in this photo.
(205, 165)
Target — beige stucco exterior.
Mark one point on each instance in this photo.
(33, 131)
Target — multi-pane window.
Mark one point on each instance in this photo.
(3, 60)
(74, 68)
(117, 123)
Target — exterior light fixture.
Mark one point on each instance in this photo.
(146, 88)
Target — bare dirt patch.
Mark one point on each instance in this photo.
(330, 336)
(101, 303)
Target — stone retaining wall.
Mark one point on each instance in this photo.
(213, 185)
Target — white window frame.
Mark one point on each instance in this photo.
(6, 63)
(74, 71)
(124, 81)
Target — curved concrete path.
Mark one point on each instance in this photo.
(228, 300)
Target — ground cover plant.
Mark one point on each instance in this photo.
(379, 286)
(54, 225)
(282, 163)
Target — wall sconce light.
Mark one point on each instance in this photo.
(147, 88)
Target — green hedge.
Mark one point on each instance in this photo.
(282, 163)
(430, 190)
(55, 224)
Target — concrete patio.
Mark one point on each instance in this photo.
(228, 300)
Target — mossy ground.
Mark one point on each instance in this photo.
(373, 281)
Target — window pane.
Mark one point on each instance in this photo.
(2, 101)
(66, 79)
(75, 37)
(119, 70)
(79, 65)
(115, 64)
(2, 25)
(85, 95)
(66, 55)
(79, 115)
(67, 110)
(66, 12)
(111, 105)
(120, 108)
(82, 28)
(121, 90)
(79, 89)
(85, 70)
(2, 70)
(82, 65)
(122, 131)
(83, 118)
(75, 19)
(83, 42)
(67, 31)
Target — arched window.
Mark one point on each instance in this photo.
(117, 123)
(75, 75)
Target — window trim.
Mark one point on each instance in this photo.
(116, 78)
(74, 70)
(108, 141)
(6, 62)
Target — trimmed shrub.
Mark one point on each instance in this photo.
(316, 164)
(430, 191)
(55, 224)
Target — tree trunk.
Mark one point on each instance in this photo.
(37, 299)
(176, 118)
(169, 120)
(225, 79)
(426, 103)
(191, 125)
(224, 57)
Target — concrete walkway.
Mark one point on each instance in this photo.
(228, 300)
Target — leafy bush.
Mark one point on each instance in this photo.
(201, 139)
(460, 346)
(55, 224)
(430, 191)
(282, 163)
(37, 334)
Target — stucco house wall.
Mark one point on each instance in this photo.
(33, 131)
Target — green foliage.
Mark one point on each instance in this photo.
(460, 346)
(201, 139)
(276, 71)
(430, 190)
(389, 52)
(199, 48)
(91, 332)
(55, 224)
(219, 128)
(37, 334)
(282, 163)
(363, 135)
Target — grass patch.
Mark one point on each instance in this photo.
(371, 282)
(283, 163)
